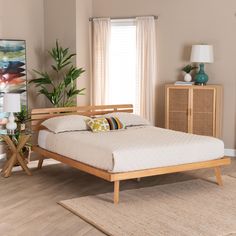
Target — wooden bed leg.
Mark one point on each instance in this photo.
(116, 191)
(40, 163)
(138, 179)
(218, 176)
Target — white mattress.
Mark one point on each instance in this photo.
(132, 149)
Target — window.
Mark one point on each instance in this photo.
(122, 60)
(124, 63)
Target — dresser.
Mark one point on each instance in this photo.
(194, 109)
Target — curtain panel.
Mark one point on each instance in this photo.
(100, 60)
(146, 66)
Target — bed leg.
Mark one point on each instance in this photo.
(218, 176)
(138, 180)
(116, 191)
(40, 163)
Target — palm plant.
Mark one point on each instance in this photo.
(22, 116)
(59, 87)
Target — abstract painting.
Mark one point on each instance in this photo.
(12, 72)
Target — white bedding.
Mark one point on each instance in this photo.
(132, 149)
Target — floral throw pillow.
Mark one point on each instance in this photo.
(98, 124)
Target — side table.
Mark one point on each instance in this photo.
(16, 156)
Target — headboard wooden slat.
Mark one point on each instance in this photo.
(79, 108)
(39, 115)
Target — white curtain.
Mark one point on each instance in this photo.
(146, 66)
(100, 61)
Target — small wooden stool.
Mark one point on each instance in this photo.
(16, 156)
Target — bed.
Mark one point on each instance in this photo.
(120, 155)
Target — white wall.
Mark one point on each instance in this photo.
(60, 23)
(68, 22)
(24, 19)
(83, 12)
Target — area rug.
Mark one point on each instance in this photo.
(195, 207)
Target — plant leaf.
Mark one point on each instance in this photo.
(60, 87)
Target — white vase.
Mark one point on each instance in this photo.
(22, 127)
(187, 77)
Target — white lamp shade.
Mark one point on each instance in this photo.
(202, 54)
(11, 102)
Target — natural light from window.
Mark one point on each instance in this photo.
(122, 82)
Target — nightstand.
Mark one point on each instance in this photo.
(16, 157)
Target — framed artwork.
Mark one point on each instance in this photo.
(13, 77)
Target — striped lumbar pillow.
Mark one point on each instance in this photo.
(114, 123)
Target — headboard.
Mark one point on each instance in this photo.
(39, 115)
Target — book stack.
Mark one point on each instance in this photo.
(183, 83)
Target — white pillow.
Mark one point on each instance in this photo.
(129, 119)
(66, 123)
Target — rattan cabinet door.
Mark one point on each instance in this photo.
(203, 115)
(178, 102)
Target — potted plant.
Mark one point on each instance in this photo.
(59, 85)
(22, 118)
(187, 69)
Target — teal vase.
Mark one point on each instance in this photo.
(201, 77)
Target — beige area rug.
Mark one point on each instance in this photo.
(194, 207)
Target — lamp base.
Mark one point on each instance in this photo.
(11, 125)
(10, 132)
(200, 84)
(201, 77)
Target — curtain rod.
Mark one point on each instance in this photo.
(121, 18)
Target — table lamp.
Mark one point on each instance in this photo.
(202, 54)
(11, 103)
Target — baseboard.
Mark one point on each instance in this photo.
(230, 152)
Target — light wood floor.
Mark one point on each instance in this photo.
(28, 205)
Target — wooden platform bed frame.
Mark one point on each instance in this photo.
(39, 115)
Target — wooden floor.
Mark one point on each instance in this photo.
(28, 204)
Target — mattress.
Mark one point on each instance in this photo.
(135, 148)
